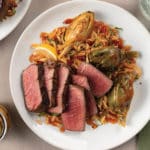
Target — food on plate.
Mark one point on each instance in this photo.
(95, 76)
(79, 29)
(82, 81)
(7, 8)
(50, 78)
(110, 57)
(34, 90)
(43, 52)
(62, 89)
(74, 117)
(55, 88)
(81, 73)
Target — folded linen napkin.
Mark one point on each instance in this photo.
(143, 138)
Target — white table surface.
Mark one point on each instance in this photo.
(20, 136)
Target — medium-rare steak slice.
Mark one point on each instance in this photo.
(99, 83)
(50, 75)
(90, 100)
(91, 104)
(63, 77)
(81, 81)
(74, 117)
(42, 84)
(34, 91)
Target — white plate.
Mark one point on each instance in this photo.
(106, 136)
(8, 25)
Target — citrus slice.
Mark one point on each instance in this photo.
(43, 52)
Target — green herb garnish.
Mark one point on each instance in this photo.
(118, 28)
(42, 114)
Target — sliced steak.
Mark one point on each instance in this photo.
(63, 77)
(74, 117)
(50, 75)
(99, 83)
(34, 91)
(90, 100)
(81, 81)
(91, 104)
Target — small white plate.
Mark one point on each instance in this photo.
(106, 136)
(9, 24)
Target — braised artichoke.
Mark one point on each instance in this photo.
(109, 58)
(81, 27)
(122, 92)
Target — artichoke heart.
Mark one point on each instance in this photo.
(81, 27)
(122, 92)
(105, 58)
(108, 58)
